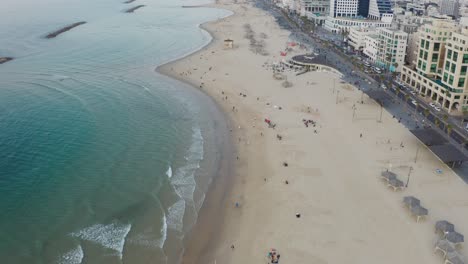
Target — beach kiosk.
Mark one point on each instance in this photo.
(228, 44)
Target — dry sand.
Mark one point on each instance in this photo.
(348, 215)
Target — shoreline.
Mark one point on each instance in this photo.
(331, 176)
(202, 233)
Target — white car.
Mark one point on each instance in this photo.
(414, 102)
(413, 92)
(432, 104)
(437, 108)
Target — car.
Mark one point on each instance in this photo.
(383, 86)
(437, 108)
(432, 104)
(367, 71)
(414, 102)
(413, 92)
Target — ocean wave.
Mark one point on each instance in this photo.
(146, 238)
(184, 177)
(169, 172)
(74, 256)
(175, 216)
(110, 236)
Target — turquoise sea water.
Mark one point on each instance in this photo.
(102, 160)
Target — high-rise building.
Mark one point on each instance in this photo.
(345, 14)
(392, 49)
(380, 10)
(441, 70)
(343, 8)
(450, 8)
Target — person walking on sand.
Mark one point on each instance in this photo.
(360, 135)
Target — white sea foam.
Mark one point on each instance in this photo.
(184, 177)
(175, 215)
(169, 172)
(74, 256)
(111, 236)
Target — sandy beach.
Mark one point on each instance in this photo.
(332, 178)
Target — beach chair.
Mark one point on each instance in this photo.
(444, 246)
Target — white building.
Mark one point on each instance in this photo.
(371, 46)
(392, 49)
(356, 37)
(337, 25)
(345, 14)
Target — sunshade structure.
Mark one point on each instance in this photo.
(396, 184)
(449, 154)
(379, 96)
(418, 211)
(411, 201)
(443, 227)
(454, 258)
(444, 246)
(429, 136)
(455, 237)
(440, 146)
(388, 175)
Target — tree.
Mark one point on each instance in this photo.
(449, 129)
(445, 117)
(437, 122)
(398, 90)
(426, 112)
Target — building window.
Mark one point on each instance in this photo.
(450, 80)
(427, 44)
(445, 77)
(463, 70)
(447, 65)
(425, 55)
(435, 56)
(455, 56)
(424, 66)
(461, 82)
(452, 69)
(465, 58)
(433, 67)
(436, 46)
(449, 54)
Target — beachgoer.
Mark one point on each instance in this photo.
(232, 246)
(360, 135)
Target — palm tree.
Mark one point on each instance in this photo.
(398, 90)
(449, 129)
(445, 117)
(437, 122)
(426, 112)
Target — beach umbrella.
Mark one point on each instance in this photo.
(455, 237)
(411, 201)
(388, 175)
(395, 184)
(454, 258)
(444, 226)
(419, 212)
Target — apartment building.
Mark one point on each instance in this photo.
(391, 49)
(371, 47)
(356, 37)
(441, 69)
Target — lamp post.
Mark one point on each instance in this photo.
(409, 175)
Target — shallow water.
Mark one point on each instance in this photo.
(102, 160)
